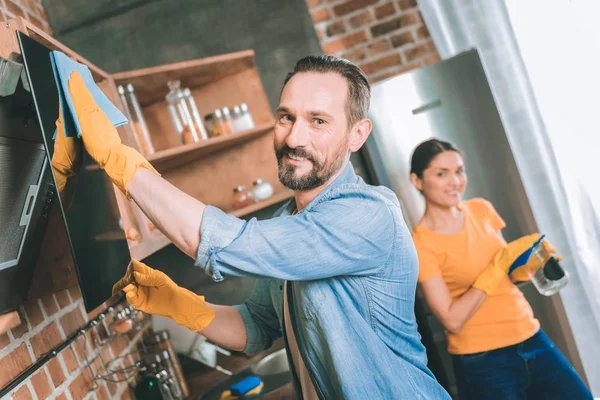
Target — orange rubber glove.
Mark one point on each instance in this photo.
(101, 140)
(155, 293)
(66, 161)
(497, 269)
(522, 273)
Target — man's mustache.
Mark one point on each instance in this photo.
(298, 152)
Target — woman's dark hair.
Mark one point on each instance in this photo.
(426, 151)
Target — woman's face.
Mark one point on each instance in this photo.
(444, 181)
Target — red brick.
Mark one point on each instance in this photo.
(34, 313)
(22, 394)
(4, 341)
(80, 387)
(404, 4)
(13, 364)
(402, 39)
(419, 51)
(75, 293)
(45, 340)
(378, 47)
(431, 59)
(394, 24)
(15, 9)
(97, 311)
(319, 33)
(50, 305)
(72, 321)
(119, 345)
(126, 394)
(20, 330)
(102, 392)
(351, 6)
(62, 396)
(335, 28)
(363, 18)
(63, 298)
(345, 42)
(385, 10)
(423, 32)
(355, 55)
(70, 360)
(41, 385)
(375, 66)
(56, 372)
(320, 15)
(313, 3)
(113, 388)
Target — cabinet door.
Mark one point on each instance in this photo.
(84, 203)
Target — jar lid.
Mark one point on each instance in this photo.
(236, 110)
(239, 188)
(225, 111)
(244, 107)
(258, 181)
(218, 113)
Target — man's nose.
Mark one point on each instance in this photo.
(298, 136)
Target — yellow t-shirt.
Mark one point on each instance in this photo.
(505, 318)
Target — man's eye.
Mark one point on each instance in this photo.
(285, 117)
(318, 121)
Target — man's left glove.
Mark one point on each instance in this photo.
(155, 293)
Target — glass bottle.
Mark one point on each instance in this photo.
(187, 93)
(241, 197)
(550, 277)
(215, 123)
(262, 190)
(140, 130)
(246, 117)
(180, 113)
(237, 124)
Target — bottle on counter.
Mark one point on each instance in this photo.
(237, 124)
(215, 124)
(261, 190)
(227, 120)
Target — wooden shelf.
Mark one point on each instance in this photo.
(173, 157)
(112, 235)
(276, 198)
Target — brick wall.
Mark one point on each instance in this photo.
(48, 322)
(384, 37)
(31, 10)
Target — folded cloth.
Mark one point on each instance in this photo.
(63, 67)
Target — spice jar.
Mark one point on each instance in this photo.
(227, 120)
(247, 121)
(241, 197)
(215, 124)
(237, 124)
(262, 190)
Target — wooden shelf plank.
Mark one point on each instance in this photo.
(175, 156)
(276, 198)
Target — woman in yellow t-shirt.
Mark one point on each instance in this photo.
(498, 348)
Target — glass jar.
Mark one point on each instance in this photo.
(227, 120)
(140, 130)
(261, 190)
(237, 123)
(248, 121)
(550, 277)
(241, 197)
(180, 113)
(215, 124)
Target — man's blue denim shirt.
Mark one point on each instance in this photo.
(351, 268)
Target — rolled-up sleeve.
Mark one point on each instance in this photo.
(351, 233)
(260, 319)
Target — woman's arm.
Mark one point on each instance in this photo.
(453, 314)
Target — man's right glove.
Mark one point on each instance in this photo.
(101, 140)
(497, 269)
(155, 293)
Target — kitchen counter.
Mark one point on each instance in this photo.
(202, 378)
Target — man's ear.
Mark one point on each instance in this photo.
(360, 134)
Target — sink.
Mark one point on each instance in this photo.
(273, 364)
(273, 369)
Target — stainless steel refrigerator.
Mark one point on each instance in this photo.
(452, 100)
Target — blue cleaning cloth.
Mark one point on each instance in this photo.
(524, 257)
(245, 385)
(63, 67)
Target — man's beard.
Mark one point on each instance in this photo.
(318, 175)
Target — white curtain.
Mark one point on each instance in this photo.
(542, 90)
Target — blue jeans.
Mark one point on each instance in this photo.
(533, 369)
